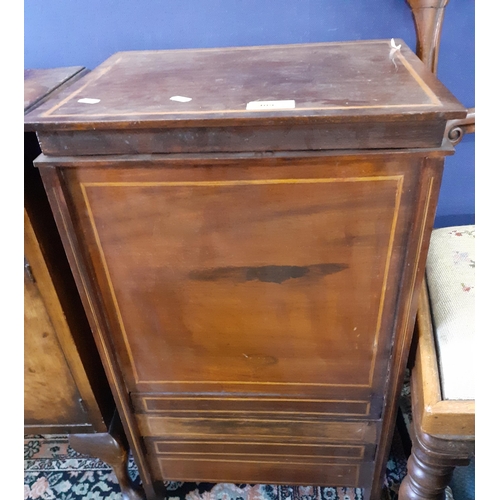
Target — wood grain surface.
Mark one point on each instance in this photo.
(51, 395)
(234, 297)
(251, 276)
(40, 83)
(327, 80)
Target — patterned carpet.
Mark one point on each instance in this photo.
(53, 471)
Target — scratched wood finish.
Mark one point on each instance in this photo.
(346, 90)
(40, 83)
(354, 432)
(254, 288)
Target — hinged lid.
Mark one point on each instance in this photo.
(363, 94)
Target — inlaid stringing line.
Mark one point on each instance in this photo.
(231, 454)
(434, 99)
(108, 278)
(232, 111)
(124, 404)
(360, 448)
(419, 80)
(319, 180)
(220, 480)
(98, 75)
(223, 419)
(205, 398)
(366, 404)
(153, 426)
(397, 204)
(419, 250)
(212, 435)
(247, 412)
(255, 461)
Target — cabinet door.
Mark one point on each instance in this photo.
(51, 396)
(273, 277)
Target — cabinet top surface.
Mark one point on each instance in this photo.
(38, 83)
(251, 85)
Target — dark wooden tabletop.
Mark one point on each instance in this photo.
(207, 87)
(38, 83)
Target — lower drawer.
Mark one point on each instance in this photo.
(262, 462)
(245, 449)
(245, 429)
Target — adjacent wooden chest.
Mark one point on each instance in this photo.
(65, 390)
(248, 230)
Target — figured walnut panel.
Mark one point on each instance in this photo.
(50, 392)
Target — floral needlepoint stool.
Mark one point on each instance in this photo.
(442, 383)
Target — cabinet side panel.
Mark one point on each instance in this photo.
(62, 208)
(424, 212)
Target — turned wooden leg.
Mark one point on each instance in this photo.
(111, 448)
(424, 481)
(431, 464)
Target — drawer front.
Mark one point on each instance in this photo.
(269, 277)
(293, 430)
(261, 462)
(253, 407)
(232, 442)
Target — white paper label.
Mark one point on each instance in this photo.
(259, 105)
(88, 100)
(393, 44)
(180, 98)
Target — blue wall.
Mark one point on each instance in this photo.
(86, 32)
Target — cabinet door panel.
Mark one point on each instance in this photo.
(267, 279)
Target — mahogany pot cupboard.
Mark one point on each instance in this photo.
(65, 386)
(248, 228)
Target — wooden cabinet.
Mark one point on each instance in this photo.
(60, 385)
(248, 230)
(65, 386)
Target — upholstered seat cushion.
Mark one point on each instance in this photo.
(451, 280)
